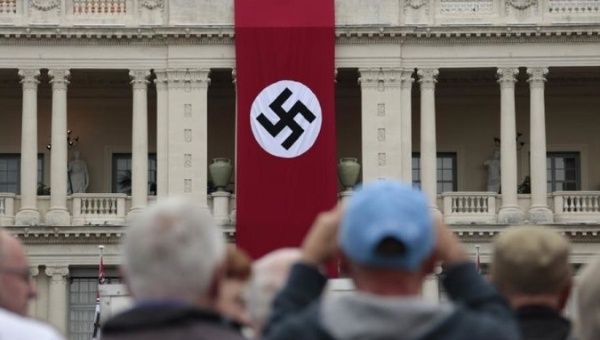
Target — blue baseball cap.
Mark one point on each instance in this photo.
(385, 210)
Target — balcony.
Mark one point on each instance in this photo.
(387, 13)
(466, 208)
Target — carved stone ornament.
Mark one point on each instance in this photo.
(152, 4)
(45, 5)
(521, 4)
(416, 4)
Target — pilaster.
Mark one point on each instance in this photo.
(188, 109)
(381, 123)
(162, 133)
(406, 114)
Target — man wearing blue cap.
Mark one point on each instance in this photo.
(389, 243)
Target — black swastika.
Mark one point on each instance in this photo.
(286, 118)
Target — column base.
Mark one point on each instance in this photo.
(510, 215)
(59, 217)
(540, 215)
(27, 217)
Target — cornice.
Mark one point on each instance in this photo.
(224, 34)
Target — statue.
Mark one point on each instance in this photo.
(78, 174)
(493, 166)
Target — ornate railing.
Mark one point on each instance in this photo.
(8, 7)
(99, 7)
(469, 207)
(577, 206)
(573, 6)
(7, 209)
(99, 209)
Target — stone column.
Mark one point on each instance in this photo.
(539, 211)
(162, 134)
(381, 123)
(139, 144)
(58, 213)
(509, 213)
(427, 79)
(406, 113)
(57, 297)
(28, 214)
(188, 111)
(32, 308)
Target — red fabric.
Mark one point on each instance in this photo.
(278, 198)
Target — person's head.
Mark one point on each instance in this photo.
(16, 286)
(174, 251)
(237, 272)
(588, 302)
(387, 238)
(530, 266)
(269, 274)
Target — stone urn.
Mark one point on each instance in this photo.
(348, 171)
(220, 170)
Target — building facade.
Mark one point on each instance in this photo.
(462, 98)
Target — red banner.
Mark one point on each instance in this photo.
(286, 120)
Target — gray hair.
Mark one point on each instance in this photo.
(172, 250)
(588, 302)
(269, 274)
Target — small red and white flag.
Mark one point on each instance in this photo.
(101, 280)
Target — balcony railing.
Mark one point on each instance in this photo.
(577, 206)
(469, 207)
(457, 207)
(100, 209)
(7, 209)
(135, 13)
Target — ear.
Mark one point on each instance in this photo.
(564, 295)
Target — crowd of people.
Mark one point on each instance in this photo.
(187, 283)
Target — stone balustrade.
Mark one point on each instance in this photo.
(7, 209)
(577, 206)
(469, 207)
(98, 209)
(387, 13)
(457, 207)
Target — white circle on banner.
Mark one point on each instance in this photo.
(286, 118)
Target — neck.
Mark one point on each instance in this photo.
(388, 282)
(546, 300)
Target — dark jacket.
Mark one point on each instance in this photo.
(478, 311)
(168, 321)
(542, 323)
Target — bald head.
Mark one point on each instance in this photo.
(16, 288)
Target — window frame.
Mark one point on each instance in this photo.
(17, 156)
(152, 173)
(452, 155)
(551, 172)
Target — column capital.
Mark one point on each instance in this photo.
(188, 78)
(507, 76)
(161, 80)
(406, 77)
(57, 273)
(139, 78)
(59, 78)
(34, 270)
(427, 77)
(537, 76)
(29, 78)
(378, 76)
